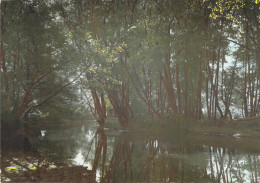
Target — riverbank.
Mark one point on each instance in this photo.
(236, 133)
(237, 128)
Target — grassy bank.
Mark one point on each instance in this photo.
(237, 134)
(243, 127)
(237, 128)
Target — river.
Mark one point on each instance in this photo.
(92, 154)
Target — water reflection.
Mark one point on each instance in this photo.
(84, 154)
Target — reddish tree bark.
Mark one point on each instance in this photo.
(168, 84)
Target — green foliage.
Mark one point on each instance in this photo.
(39, 60)
(228, 9)
(110, 43)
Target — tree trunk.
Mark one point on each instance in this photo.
(167, 80)
(199, 104)
(121, 104)
(178, 88)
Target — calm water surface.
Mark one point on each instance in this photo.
(90, 154)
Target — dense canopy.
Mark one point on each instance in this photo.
(157, 59)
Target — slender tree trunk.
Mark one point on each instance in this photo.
(178, 88)
(167, 79)
(217, 77)
(192, 98)
(207, 66)
(3, 64)
(141, 91)
(245, 91)
(186, 112)
(199, 104)
(100, 107)
(121, 104)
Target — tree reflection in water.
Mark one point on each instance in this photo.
(110, 156)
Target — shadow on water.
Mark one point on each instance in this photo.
(89, 154)
(14, 137)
